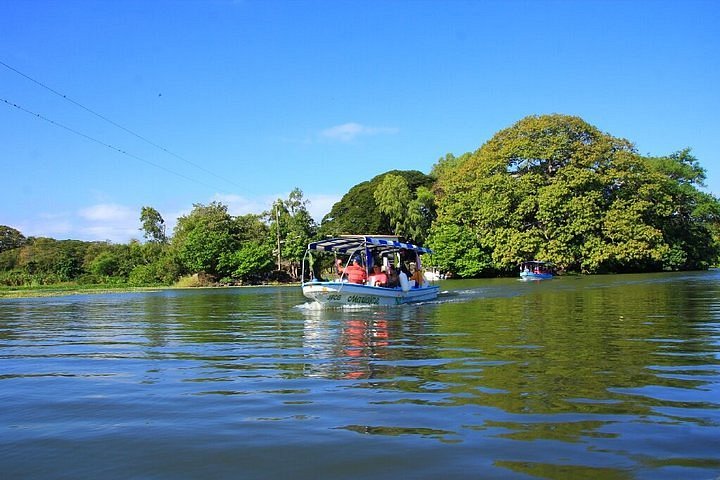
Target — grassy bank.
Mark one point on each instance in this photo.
(66, 289)
(71, 288)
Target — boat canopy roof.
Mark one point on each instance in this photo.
(536, 262)
(351, 243)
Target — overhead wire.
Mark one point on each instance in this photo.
(115, 124)
(100, 142)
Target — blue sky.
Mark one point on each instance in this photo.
(250, 99)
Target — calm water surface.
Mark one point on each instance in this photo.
(610, 377)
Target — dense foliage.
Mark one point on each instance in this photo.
(549, 187)
(293, 227)
(556, 188)
(358, 211)
(207, 241)
(46, 261)
(10, 238)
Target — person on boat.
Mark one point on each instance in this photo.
(416, 276)
(355, 272)
(403, 278)
(378, 278)
(392, 277)
(339, 270)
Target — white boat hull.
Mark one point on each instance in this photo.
(338, 294)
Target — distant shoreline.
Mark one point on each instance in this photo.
(60, 291)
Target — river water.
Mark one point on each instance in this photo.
(605, 377)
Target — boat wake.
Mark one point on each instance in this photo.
(444, 296)
(317, 306)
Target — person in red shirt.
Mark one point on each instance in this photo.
(378, 278)
(355, 272)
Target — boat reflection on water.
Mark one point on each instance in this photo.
(352, 345)
(362, 341)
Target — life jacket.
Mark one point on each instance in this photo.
(355, 274)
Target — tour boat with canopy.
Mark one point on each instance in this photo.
(363, 251)
(536, 270)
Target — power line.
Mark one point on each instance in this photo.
(102, 117)
(100, 142)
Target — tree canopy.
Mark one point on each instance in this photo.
(153, 225)
(358, 211)
(291, 224)
(10, 238)
(210, 240)
(555, 188)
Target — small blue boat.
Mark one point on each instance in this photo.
(536, 270)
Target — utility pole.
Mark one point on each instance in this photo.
(277, 226)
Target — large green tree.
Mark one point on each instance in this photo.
(207, 239)
(358, 212)
(58, 260)
(555, 188)
(410, 213)
(10, 238)
(253, 259)
(691, 215)
(153, 225)
(201, 237)
(392, 196)
(291, 224)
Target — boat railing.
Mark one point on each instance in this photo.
(351, 254)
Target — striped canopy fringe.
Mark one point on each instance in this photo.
(351, 243)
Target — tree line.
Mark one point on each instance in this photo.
(209, 241)
(550, 188)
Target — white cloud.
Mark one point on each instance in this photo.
(116, 233)
(108, 212)
(48, 225)
(116, 223)
(103, 221)
(321, 204)
(348, 132)
(239, 205)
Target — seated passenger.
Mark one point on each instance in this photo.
(392, 277)
(404, 278)
(416, 275)
(355, 272)
(339, 270)
(378, 278)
